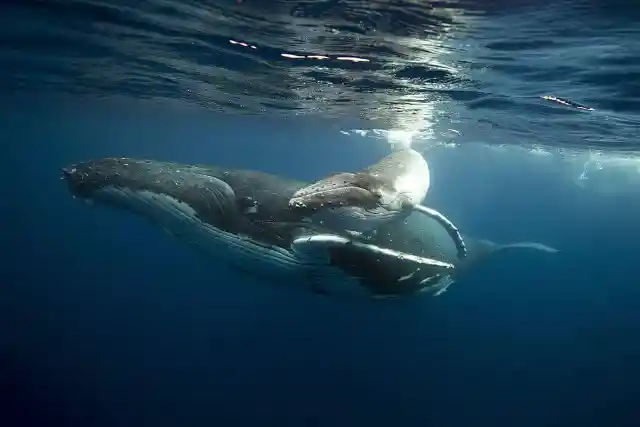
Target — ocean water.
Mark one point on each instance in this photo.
(107, 321)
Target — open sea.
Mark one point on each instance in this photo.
(528, 113)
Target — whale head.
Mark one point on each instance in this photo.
(362, 201)
(154, 189)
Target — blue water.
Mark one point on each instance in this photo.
(107, 321)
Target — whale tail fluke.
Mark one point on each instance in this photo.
(483, 248)
(528, 245)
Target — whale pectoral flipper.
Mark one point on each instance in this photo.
(318, 241)
(451, 229)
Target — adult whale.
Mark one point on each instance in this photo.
(241, 218)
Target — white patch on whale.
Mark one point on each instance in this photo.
(302, 244)
(412, 185)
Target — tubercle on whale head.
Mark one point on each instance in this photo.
(67, 172)
(85, 178)
(335, 198)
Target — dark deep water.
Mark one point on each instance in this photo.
(106, 321)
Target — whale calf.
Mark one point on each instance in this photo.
(362, 201)
(242, 218)
(389, 190)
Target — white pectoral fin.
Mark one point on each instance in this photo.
(451, 229)
(316, 245)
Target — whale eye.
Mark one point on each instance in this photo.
(248, 205)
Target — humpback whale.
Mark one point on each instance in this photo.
(389, 190)
(242, 218)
